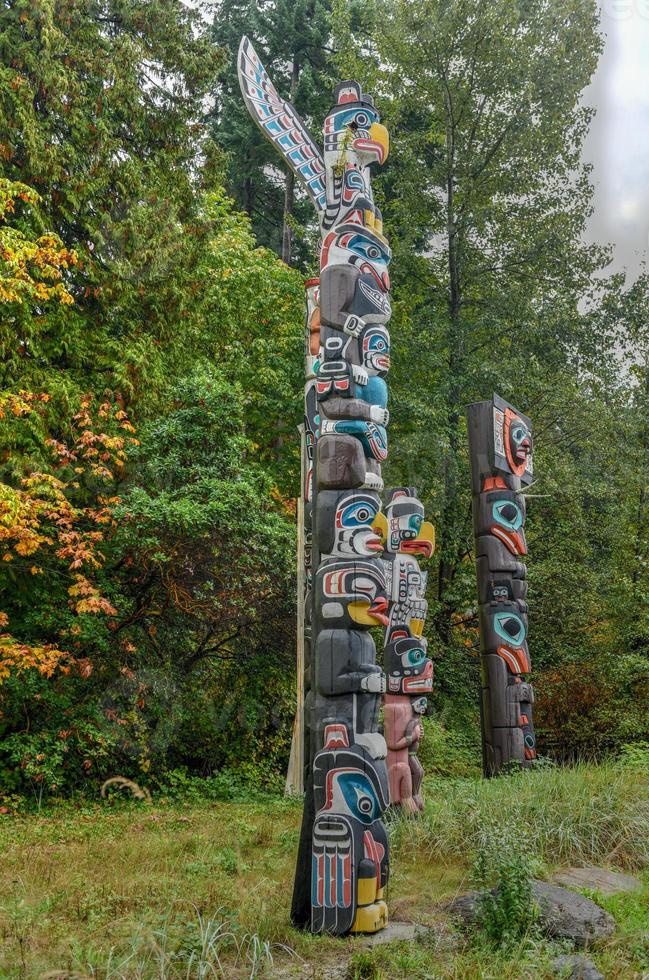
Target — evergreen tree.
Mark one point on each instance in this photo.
(100, 112)
(485, 199)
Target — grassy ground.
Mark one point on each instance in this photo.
(177, 890)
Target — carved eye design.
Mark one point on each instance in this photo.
(510, 628)
(508, 514)
(360, 121)
(415, 657)
(354, 180)
(363, 247)
(355, 795)
(519, 432)
(358, 515)
(364, 802)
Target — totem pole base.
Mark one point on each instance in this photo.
(301, 901)
(370, 918)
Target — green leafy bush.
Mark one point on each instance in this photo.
(635, 756)
(450, 751)
(503, 869)
(244, 784)
(194, 669)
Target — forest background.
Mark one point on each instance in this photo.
(152, 255)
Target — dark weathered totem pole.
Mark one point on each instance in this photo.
(408, 670)
(500, 444)
(342, 866)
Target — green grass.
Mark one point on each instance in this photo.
(580, 815)
(173, 890)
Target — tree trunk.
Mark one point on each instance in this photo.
(448, 556)
(289, 189)
(248, 196)
(288, 211)
(638, 551)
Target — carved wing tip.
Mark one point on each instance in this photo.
(280, 123)
(245, 56)
(246, 50)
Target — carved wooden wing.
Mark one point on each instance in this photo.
(281, 124)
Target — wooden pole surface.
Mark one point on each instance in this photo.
(295, 774)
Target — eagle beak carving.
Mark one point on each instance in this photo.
(379, 134)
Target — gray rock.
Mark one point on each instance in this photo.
(466, 907)
(438, 935)
(576, 968)
(562, 914)
(395, 932)
(598, 879)
(566, 915)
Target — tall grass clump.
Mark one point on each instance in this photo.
(190, 949)
(576, 815)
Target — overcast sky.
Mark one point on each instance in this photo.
(618, 144)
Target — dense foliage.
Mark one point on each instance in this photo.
(152, 371)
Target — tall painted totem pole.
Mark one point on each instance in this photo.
(500, 444)
(342, 866)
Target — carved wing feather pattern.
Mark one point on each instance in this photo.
(281, 124)
(333, 903)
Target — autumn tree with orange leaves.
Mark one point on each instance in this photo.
(46, 529)
(45, 526)
(29, 270)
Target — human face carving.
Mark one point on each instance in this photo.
(408, 669)
(404, 527)
(518, 442)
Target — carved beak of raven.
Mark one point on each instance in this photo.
(365, 613)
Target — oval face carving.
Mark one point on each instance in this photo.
(518, 442)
